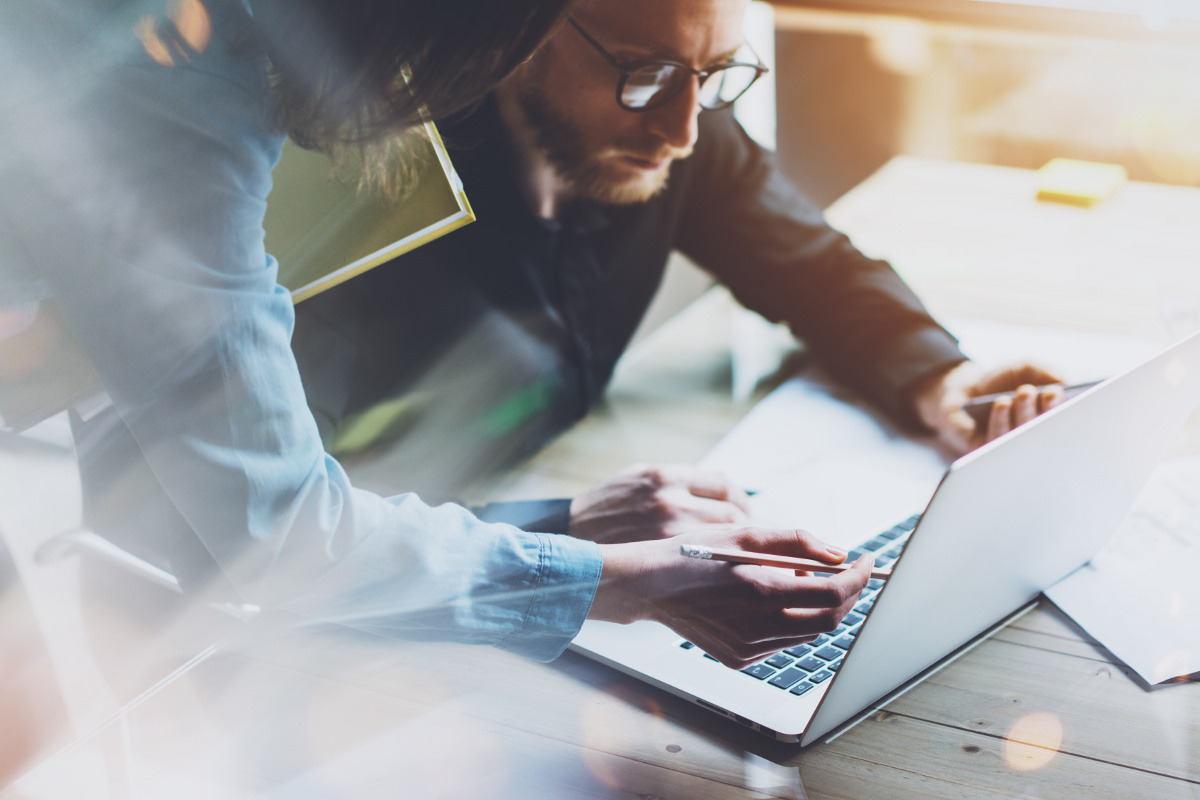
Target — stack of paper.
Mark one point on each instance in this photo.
(1140, 597)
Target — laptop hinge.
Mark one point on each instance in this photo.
(921, 676)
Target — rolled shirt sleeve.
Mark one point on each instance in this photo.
(135, 194)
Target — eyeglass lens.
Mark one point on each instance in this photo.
(657, 84)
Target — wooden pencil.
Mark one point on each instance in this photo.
(768, 560)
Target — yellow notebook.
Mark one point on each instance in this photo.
(1079, 183)
(323, 231)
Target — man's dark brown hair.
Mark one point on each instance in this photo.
(338, 66)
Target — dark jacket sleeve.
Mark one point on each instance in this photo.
(756, 232)
(535, 516)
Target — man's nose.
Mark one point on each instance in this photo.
(676, 122)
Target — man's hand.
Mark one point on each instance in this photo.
(939, 403)
(655, 503)
(737, 613)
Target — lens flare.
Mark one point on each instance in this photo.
(1032, 741)
(1175, 664)
(146, 30)
(606, 725)
(192, 25)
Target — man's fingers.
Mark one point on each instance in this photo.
(715, 486)
(1000, 421)
(1007, 379)
(811, 592)
(720, 511)
(687, 508)
(744, 638)
(1024, 404)
(742, 655)
(1049, 398)
(959, 429)
(788, 542)
(765, 629)
(694, 480)
(1010, 378)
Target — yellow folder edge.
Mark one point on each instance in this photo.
(411, 242)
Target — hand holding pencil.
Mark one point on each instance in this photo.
(734, 612)
(769, 560)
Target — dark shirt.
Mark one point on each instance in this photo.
(540, 310)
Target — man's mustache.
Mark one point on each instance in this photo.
(657, 154)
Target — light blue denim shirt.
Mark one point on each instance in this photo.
(133, 193)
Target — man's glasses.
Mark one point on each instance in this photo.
(647, 83)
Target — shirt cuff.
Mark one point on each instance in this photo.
(568, 574)
(913, 359)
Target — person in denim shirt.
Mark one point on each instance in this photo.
(134, 169)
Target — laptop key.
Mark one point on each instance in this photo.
(820, 640)
(711, 658)
(800, 651)
(844, 642)
(810, 663)
(686, 645)
(779, 661)
(910, 523)
(893, 533)
(829, 653)
(820, 677)
(833, 665)
(854, 555)
(789, 676)
(759, 671)
(852, 619)
(874, 583)
(801, 688)
(872, 545)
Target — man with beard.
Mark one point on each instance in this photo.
(608, 149)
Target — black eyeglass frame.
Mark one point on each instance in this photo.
(630, 67)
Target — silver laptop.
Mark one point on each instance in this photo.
(1006, 522)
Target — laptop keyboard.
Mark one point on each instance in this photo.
(799, 669)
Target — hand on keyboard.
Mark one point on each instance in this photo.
(737, 613)
(655, 502)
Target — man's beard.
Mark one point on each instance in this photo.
(563, 144)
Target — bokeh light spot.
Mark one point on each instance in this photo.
(193, 31)
(1173, 665)
(605, 725)
(147, 33)
(193, 23)
(1032, 741)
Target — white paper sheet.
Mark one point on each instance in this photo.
(1140, 597)
(819, 460)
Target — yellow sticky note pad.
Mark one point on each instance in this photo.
(1079, 183)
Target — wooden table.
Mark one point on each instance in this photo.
(1035, 712)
